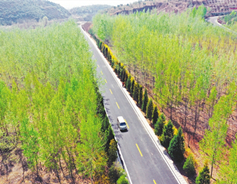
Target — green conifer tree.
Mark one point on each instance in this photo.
(176, 147)
(149, 109)
(128, 83)
(167, 134)
(204, 176)
(132, 86)
(155, 115)
(135, 92)
(140, 95)
(144, 101)
(189, 166)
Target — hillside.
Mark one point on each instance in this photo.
(214, 8)
(15, 11)
(85, 13)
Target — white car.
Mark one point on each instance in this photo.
(121, 123)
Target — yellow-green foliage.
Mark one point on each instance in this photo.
(48, 84)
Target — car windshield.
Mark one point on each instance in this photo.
(122, 124)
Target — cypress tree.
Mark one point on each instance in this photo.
(132, 86)
(155, 115)
(159, 126)
(144, 101)
(135, 92)
(128, 83)
(189, 166)
(140, 95)
(176, 147)
(167, 134)
(204, 176)
(149, 109)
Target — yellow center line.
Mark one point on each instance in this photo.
(98, 65)
(101, 72)
(126, 123)
(117, 105)
(139, 150)
(105, 81)
(154, 181)
(111, 91)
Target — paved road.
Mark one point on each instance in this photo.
(144, 158)
(214, 21)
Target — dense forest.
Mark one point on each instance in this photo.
(52, 118)
(189, 69)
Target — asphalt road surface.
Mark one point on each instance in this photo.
(144, 159)
(214, 21)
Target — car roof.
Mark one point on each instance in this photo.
(120, 118)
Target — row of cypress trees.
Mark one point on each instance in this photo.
(173, 143)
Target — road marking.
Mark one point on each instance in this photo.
(101, 72)
(117, 105)
(110, 91)
(126, 123)
(154, 181)
(105, 81)
(98, 65)
(139, 150)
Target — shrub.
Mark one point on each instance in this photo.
(204, 176)
(167, 134)
(155, 115)
(159, 126)
(115, 171)
(112, 153)
(149, 109)
(189, 166)
(176, 147)
(122, 180)
(144, 101)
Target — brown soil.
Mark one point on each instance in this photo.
(11, 172)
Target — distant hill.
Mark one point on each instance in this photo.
(214, 7)
(85, 13)
(15, 11)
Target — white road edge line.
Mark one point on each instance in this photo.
(149, 130)
(125, 167)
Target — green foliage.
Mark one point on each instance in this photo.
(135, 92)
(214, 139)
(54, 107)
(176, 147)
(128, 83)
(167, 135)
(122, 180)
(112, 153)
(189, 166)
(115, 171)
(144, 101)
(228, 169)
(149, 110)
(23, 10)
(140, 95)
(204, 176)
(159, 126)
(87, 12)
(155, 115)
(132, 86)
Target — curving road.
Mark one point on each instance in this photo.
(144, 159)
(214, 21)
